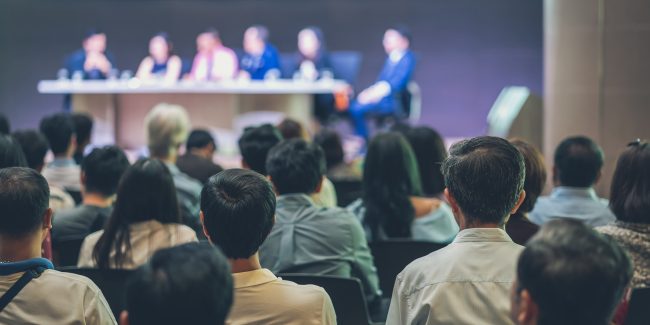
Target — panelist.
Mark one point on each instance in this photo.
(260, 56)
(213, 61)
(382, 96)
(161, 63)
(91, 60)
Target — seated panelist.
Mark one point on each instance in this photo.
(213, 61)
(161, 63)
(260, 56)
(312, 57)
(92, 60)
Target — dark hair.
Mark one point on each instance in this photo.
(238, 209)
(573, 274)
(390, 178)
(330, 141)
(430, 152)
(255, 144)
(535, 173)
(578, 161)
(262, 32)
(34, 145)
(24, 198)
(403, 30)
(485, 175)
(630, 191)
(145, 192)
(290, 129)
(5, 127)
(185, 284)
(92, 32)
(103, 168)
(11, 154)
(296, 166)
(199, 138)
(58, 129)
(83, 125)
(213, 32)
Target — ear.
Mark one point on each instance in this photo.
(244, 164)
(319, 187)
(124, 318)
(83, 178)
(47, 219)
(522, 197)
(600, 174)
(454, 208)
(275, 190)
(205, 231)
(528, 309)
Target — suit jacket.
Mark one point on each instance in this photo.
(397, 75)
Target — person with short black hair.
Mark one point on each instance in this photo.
(337, 168)
(260, 56)
(197, 160)
(254, 146)
(63, 171)
(101, 171)
(569, 274)
(83, 127)
(11, 154)
(468, 282)
(324, 240)
(186, 284)
(238, 212)
(47, 296)
(630, 202)
(5, 126)
(92, 60)
(578, 163)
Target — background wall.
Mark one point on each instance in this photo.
(468, 49)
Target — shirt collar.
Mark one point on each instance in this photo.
(22, 266)
(482, 235)
(396, 55)
(252, 278)
(572, 192)
(62, 162)
(298, 199)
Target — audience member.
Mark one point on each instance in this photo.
(569, 274)
(101, 171)
(167, 128)
(197, 160)
(5, 126)
(518, 227)
(292, 129)
(186, 284)
(337, 168)
(161, 63)
(32, 291)
(213, 61)
(238, 212)
(63, 171)
(11, 154)
(468, 282)
(92, 60)
(83, 127)
(254, 146)
(145, 218)
(430, 151)
(630, 202)
(392, 205)
(260, 56)
(578, 163)
(307, 238)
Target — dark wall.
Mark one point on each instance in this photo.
(468, 49)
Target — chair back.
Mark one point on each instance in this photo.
(347, 191)
(638, 312)
(346, 65)
(66, 252)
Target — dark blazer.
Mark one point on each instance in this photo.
(398, 76)
(75, 62)
(197, 167)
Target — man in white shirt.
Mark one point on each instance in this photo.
(32, 292)
(238, 212)
(468, 282)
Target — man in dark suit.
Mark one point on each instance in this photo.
(197, 160)
(381, 97)
(92, 59)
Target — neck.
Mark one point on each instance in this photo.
(245, 264)
(62, 156)
(201, 153)
(20, 249)
(98, 200)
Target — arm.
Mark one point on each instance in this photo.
(144, 70)
(363, 265)
(96, 308)
(174, 67)
(329, 316)
(401, 75)
(397, 310)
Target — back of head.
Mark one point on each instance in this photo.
(535, 173)
(330, 141)
(83, 126)
(59, 130)
(630, 191)
(199, 139)
(186, 284)
(24, 199)
(102, 169)
(255, 144)
(238, 211)
(167, 127)
(573, 274)
(5, 127)
(485, 175)
(296, 167)
(34, 145)
(291, 129)
(578, 161)
(11, 154)
(430, 151)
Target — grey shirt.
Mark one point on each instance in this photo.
(79, 222)
(575, 203)
(307, 238)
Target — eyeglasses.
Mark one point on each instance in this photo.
(638, 143)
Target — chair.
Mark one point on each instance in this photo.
(346, 65)
(347, 191)
(111, 282)
(346, 294)
(638, 312)
(66, 252)
(393, 255)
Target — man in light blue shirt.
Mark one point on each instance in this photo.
(578, 163)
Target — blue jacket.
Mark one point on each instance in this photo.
(398, 74)
(257, 67)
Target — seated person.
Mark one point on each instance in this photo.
(101, 171)
(47, 296)
(213, 61)
(161, 63)
(469, 280)
(238, 212)
(307, 238)
(11, 154)
(382, 96)
(392, 205)
(260, 56)
(569, 274)
(254, 146)
(63, 171)
(578, 167)
(83, 127)
(197, 160)
(145, 218)
(337, 168)
(5, 126)
(430, 151)
(92, 60)
(186, 284)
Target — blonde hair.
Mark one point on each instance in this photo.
(167, 128)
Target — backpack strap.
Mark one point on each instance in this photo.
(19, 285)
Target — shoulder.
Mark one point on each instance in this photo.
(184, 231)
(306, 294)
(92, 239)
(67, 282)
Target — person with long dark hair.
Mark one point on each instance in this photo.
(161, 63)
(430, 152)
(145, 218)
(392, 205)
